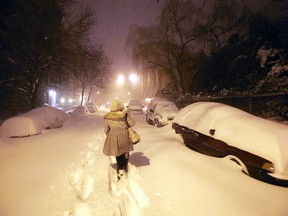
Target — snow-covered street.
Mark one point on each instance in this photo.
(64, 172)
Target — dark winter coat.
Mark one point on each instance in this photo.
(117, 140)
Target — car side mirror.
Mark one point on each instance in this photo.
(212, 131)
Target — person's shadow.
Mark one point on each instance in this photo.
(138, 159)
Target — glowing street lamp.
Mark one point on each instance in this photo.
(62, 100)
(133, 78)
(120, 79)
(52, 98)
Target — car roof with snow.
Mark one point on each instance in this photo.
(135, 102)
(238, 128)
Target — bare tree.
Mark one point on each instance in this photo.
(35, 45)
(28, 46)
(184, 27)
(225, 18)
(100, 72)
(149, 52)
(90, 70)
(166, 46)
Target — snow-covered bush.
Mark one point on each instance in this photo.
(33, 122)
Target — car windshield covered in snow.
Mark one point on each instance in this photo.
(166, 107)
(135, 106)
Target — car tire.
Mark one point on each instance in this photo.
(148, 120)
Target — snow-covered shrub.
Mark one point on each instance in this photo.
(276, 109)
(33, 122)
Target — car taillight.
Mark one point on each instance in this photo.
(268, 167)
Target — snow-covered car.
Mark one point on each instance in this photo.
(258, 145)
(80, 111)
(33, 122)
(91, 107)
(135, 106)
(160, 112)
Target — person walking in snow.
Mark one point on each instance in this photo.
(117, 142)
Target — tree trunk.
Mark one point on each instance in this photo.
(82, 96)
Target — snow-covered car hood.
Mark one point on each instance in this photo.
(167, 113)
(239, 129)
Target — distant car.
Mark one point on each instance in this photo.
(80, 111)
(135, 106)
(258, 145)
(160, 112)
(91, 107)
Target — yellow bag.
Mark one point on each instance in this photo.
(133, 136)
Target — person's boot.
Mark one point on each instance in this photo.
(126, 162)
(120, 174)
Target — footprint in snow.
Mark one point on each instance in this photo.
(83, 185)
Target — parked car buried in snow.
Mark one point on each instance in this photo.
(259, 146)
(135, 106)
(33, 122)
(92, 108)
(160, 112)
(80, 111)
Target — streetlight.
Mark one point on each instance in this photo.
(133, 78)
(52, 98)
(120, 79)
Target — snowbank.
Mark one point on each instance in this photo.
(33, 122)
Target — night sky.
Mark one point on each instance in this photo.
(114, 18)
(113, 21)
